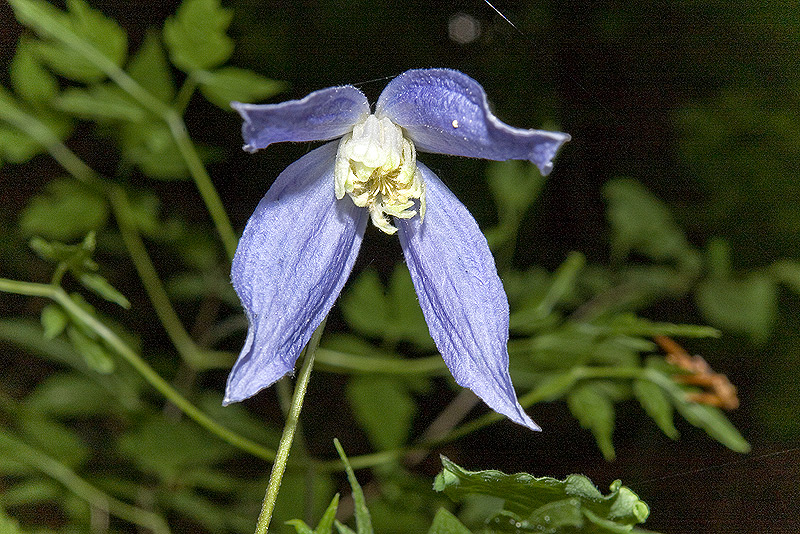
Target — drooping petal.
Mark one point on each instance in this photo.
(446, 112)
(296, 253)
(322, 115)
(461, 296)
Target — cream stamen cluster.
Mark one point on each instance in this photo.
(377, 166)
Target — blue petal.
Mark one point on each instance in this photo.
(446, 112)
(461, 296)
(322, 115)
(296, 253)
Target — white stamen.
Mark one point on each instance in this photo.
(377, 166)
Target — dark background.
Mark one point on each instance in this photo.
(697, 100)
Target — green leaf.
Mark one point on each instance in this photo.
(54, 438)
(383, 408)
(641, 223)
(31, 81)
(515, 186)
(595, 412)
(166, 449)
(546, 504)
(742, 305)
(628, 324)
(100, 285)
(149, 68)
(228, 84)
(76, 256)
(446, 523)
(714, 422)
(100, 103)
(195, 36)
(65, 211)
(363, 521)
(787, 272)
(8, 525)
(151, 147)
(657, 405)
(54, 321)
(394, 315)
(95, 354)
(325, 525)
(71, 395)
(72, 36)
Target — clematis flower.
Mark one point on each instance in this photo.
(299, 246)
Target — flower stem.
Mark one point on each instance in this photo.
(282, 456)
(94, 496)
(116, 343)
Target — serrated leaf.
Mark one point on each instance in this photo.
(363, 521)
(641, 223)
(446, 523)
(228, 84)
(149, 68)
(32, 82)
(383, 408)
(595, 412)
(65, 211)
(195, 36)
(657, 405)
(93, 352)
(100, 103)
(103, 288)
(743, 305)
(73, 36)
(544, 503)
(54, 320)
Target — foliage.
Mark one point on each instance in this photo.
(110, 403)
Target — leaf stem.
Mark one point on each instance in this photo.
(285, 445)
(94, 496)
(58, 295)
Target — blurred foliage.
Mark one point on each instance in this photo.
(87, 438)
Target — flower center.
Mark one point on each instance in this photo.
(377, 167)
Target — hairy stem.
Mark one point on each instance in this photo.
(285, 445)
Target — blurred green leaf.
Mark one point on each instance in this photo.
(714, 422)
(82, 26)
(746, 305)
(383, 408)
(54, 438)
(70, 395)
(641, 223)
(54, 321)
(66, 210)
(150, 69)
(29, 491)
(195, 36)
(32, 82)
(100, 103)
(151, 147)
(446, 523)
(657, 405)
(228, 84)
(166, 449)
(515, 185)
(787, 272)
(546, 504)
(595, 412)
(103, 288)
(628, 324)
(97, 357)
(8, 525)
(76, 256)
(393, 315)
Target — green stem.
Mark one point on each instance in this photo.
(285, 445)
(95, 497)
(203, 182)
(153, 378)
(184, 344)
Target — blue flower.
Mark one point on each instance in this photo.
(299, 246)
